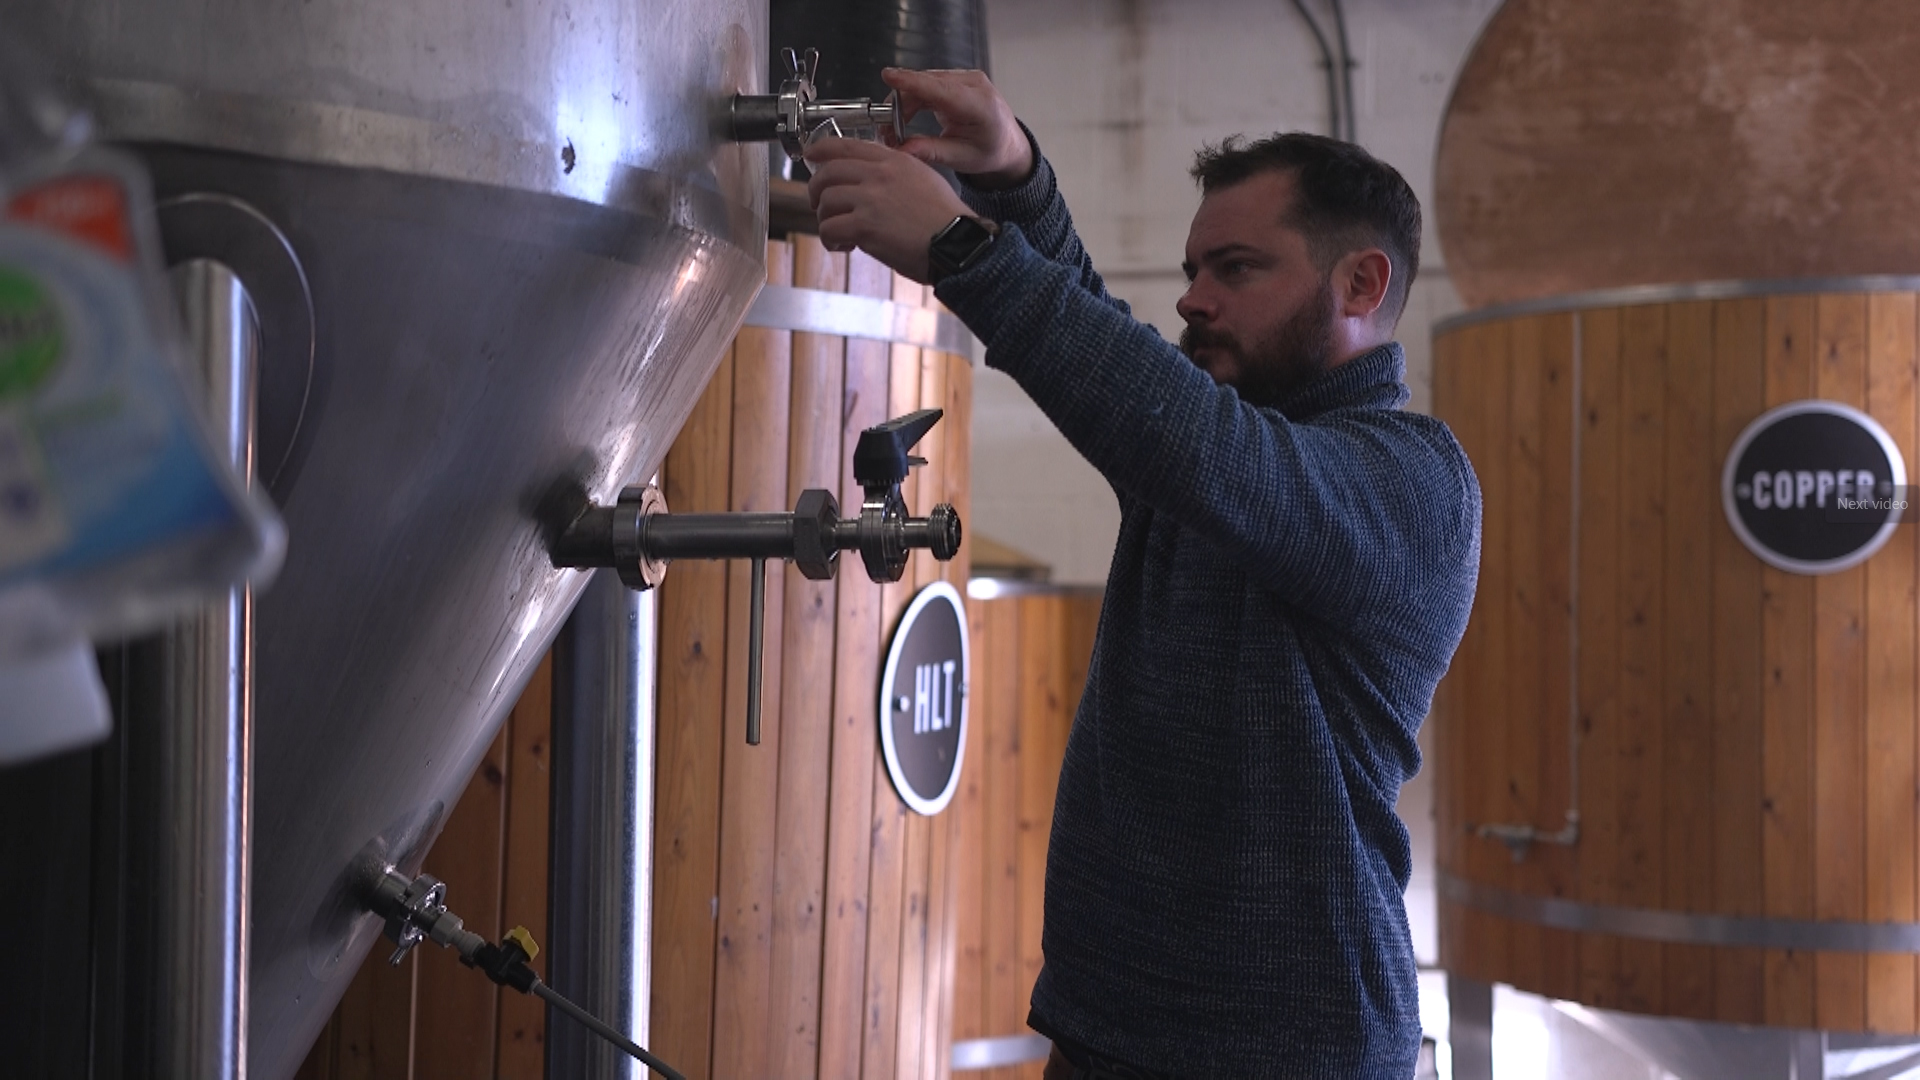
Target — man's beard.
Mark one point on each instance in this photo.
(1282, 362)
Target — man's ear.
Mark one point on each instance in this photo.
(1360, 282)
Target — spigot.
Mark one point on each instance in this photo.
(638, 537)
(795, 117)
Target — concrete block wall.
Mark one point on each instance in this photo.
(1120, 94)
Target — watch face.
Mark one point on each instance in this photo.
(957, 246)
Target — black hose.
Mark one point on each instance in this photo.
(1326, 57)
(593, 1024)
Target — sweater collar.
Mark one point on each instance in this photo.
(1375, 379)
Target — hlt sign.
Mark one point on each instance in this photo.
(933, 697)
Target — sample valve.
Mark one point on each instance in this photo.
(637, 536)
(795, 117)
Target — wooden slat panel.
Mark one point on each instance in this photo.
(917, 961)
(750, 774)
(1599, 626)
(855, 741)
(932, 484)
(1787, 705)
(372, 1031)
(885, 900)
(1560, 951)
(959, 450)
(1079, 627)
(967, 954)
(1839, 699)
(798, 899)
(1077, 622)
(956, 390)
(887, 866)
(692, 723)
(1527, 712)
(936, 1002)
(1637, 783)
(1487, 860)
(969, 1013)
(454, 1025)
(1007, 982)
(1035, 685)
(1467, 417)
(1483, 428)
(1739, 395)
(523, 1017)
(1692, 487)
(1042, 738)
(1892, 834)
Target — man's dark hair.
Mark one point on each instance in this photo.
(1347, 199)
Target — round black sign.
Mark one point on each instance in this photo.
(1814, 487)
(923, 699)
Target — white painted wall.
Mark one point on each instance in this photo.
(1120, 95)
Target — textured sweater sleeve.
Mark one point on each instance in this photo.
(1340, 513)
(1037, 208)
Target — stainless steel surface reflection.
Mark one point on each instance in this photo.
(522, 253)
(203, 768)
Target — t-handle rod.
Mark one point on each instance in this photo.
(756, 623)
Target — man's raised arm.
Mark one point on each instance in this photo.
(1004, 177)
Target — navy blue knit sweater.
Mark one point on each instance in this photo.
(1225, 878)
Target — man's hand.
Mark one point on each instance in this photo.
(882, 201)
(978, 139)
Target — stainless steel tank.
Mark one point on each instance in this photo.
(496, 251)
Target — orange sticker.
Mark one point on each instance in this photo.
(90, 209)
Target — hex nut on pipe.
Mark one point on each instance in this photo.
(815, 517)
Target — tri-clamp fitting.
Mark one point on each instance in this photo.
(795, 117)
(638, 537)
(416, 910)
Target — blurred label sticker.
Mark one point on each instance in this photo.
(30, 521)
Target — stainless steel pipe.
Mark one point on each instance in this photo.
(601, 861)
(189, 739)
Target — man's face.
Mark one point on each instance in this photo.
(1259, 312)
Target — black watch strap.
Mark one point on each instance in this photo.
(965, 241)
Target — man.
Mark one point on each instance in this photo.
(1294, 569)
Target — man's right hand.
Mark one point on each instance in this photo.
(979, 138)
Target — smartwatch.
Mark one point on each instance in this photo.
(965, 241)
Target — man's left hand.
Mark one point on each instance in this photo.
(886, 203)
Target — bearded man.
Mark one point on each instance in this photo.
(1295, 564)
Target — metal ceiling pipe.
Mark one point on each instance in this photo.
(185, 741)
(600, 884)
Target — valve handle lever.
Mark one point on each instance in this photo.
(880, 458)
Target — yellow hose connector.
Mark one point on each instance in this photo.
(522, 937)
